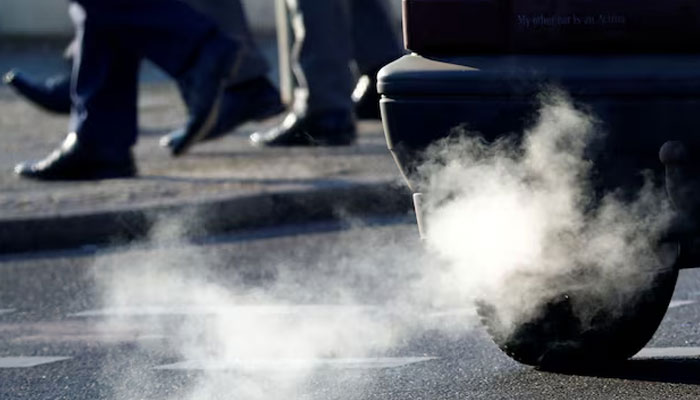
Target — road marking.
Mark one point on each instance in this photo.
(680, 303)
(187, 310)
(668, 352)
(154, 337)
(28, 362)
(295, 364)
(80, 331)
(6, 311)
(453, 312)
(259, 310)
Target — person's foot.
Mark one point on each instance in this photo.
(74, 161)
(366, 98)
(52, 95)
(253, 100)
(328, 128)
(205, 82)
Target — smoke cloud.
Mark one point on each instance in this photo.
(520, 222)
(512, 223)
(260, 334)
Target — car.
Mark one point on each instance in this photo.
(483, 64)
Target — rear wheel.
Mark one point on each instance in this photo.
(580, 327)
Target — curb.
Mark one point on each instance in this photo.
(205, 217)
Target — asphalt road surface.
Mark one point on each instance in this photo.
(317, 312)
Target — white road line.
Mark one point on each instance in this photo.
(146, 338)
(454, 312)
(681, 303)
(28, 362)
(668, 352)
(294, 364)
(257, 310)
(6, 310)
(188, 310)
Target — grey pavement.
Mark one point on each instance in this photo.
(224, 184)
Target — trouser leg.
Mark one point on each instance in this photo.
(322, 54)
(230, 17)
(167, 32)
(375, 41)
(103, 92)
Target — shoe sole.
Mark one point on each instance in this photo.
(22, 171)
(305, 140)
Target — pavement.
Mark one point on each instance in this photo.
(219, 186)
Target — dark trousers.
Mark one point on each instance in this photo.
(230, 18)
(331, 38)
(113, 37)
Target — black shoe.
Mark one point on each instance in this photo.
(73, 162)
(52, 94)
(205, 82)
(253, 100)
(329, 128)
(366, 98)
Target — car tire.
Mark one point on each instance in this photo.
(554, 338)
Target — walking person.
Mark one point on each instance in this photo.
(113, 37)
(331, 37)
(248, 96)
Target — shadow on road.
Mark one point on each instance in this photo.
(676, 370)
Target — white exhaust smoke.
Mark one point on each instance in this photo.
(327, 309)
(519, 222)
(511, 222)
